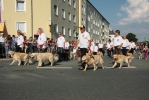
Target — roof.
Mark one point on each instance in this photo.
(111, 33)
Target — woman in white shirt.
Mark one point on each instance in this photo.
(125, 45)
(100, 46)
(66, 48)
(20, 41)
(94, 49)
(109, 48)
(132, 47)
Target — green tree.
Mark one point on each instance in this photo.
(131, 36)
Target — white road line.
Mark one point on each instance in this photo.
(124, 67)
(55, 67)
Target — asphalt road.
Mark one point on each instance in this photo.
(66, 82)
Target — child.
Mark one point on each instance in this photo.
(146, 50)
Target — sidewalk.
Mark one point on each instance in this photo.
(5, 59)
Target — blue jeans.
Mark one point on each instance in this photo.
(6, 51)
(60, 51)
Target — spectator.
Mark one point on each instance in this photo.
(34, 45)
(146, 51)
(6, 44)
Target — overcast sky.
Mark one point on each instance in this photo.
(126, 15)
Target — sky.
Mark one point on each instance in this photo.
(128, 16)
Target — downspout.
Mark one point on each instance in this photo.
(32, 18)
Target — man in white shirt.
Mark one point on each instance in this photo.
(84, 41)
(117, 42)
(132, 47)
(20, 41)
(60, 45)
(125, 45)
(41, 42)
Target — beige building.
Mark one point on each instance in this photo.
(53, 16)
(26, 15)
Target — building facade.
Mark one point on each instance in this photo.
(96, 24)
(54, 16)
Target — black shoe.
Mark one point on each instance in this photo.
(80, 68)
(42, 64)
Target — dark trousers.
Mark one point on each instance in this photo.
(124, 51)
(94, 53)
(117, 50)
(101, 50)
(19, 49)
(83, 52)
(109, 52)
(131, 50)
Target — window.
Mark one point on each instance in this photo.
(74, 18)
(83, 9)
(21, 26)
(89, 29)
(82, 21)
(63, 13)
(74, 3)
(20, 5)
(89, 8)
(69, 16)
(56, 28)
(55, 9)
(74, 33)
(69, 2)
(63, 30)
(69, 31)
(89, 18)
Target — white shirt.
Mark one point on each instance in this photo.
(84, 38)
(41, 39)
(20, 40)
(108, 46)
(94, 48)
(132, 45)
(125, 43)
(2, 39)
(60, 41)
(100, 45)
(92, 43)
(66, 45)
(117, 40)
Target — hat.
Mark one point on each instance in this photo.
(82, 26)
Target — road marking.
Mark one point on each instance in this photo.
(54, 67)
(124, 67)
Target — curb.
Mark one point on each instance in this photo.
(6, 59)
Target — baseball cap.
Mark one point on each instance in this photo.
(82, 26)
